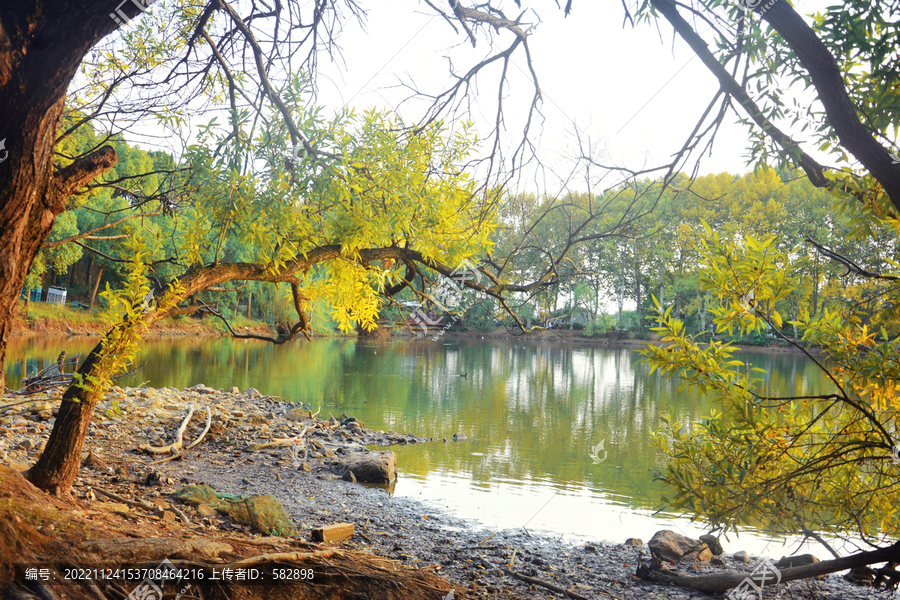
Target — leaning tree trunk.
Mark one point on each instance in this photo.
(58, 465)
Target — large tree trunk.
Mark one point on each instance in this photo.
(40, 51)
(56, 469)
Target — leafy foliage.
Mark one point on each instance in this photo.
(819, 462)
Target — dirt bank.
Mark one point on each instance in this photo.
(401, 548)
(49, 319)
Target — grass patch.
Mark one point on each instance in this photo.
(41, 311)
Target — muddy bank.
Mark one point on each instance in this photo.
(260, 445)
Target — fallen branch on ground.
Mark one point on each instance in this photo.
(722, 582)
(197, 441)
(278, 442)
(175, 446)
(117, 498)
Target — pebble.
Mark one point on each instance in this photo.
(594, 569)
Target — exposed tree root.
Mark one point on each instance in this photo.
(37, 530)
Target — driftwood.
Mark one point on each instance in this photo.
(175, 446)
(722, 582)
(192, 445)
(278, 442)
(53, 376)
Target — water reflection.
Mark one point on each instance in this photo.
(532, 413)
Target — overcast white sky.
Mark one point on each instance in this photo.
(635, 92)
(627, 85)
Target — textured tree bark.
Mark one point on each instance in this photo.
(828, 80)
(40, 51)
(96, 287)
(60, 461)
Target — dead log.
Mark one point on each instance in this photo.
(720, 583)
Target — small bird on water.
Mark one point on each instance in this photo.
(464, 375)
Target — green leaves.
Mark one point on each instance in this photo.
(817, 461)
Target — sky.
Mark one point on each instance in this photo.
(635, 92)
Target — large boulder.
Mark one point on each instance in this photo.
(370, 467)
(675, 547)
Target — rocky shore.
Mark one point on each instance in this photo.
(259, 445)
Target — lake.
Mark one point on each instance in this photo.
(532, 413)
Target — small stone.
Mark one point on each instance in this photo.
(349, 476)
(712, 542)
(787, 562)
(315, 455)
(206, 510)
(26, 444)
(590, 548)
(741, 557)
(252, 392)
(235, 389)
(168, 516)
(329, 454)
(297, 414)
(306, 467)
(715, 560)
(634, 542)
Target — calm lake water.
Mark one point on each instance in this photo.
(532, 413)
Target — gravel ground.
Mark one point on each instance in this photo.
(308, 486)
